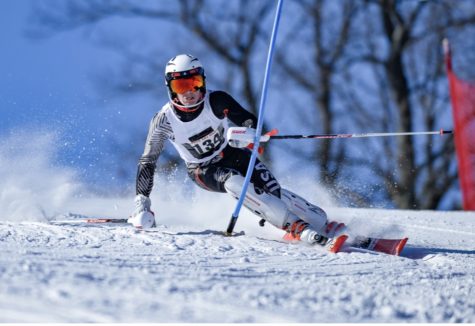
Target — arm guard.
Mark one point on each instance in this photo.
(159, 131)
(145, 173)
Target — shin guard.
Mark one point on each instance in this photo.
(266, 206)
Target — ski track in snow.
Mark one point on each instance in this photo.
(180, 273)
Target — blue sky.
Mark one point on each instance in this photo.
(40, 78)
(46, 85)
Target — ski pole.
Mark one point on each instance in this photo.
(360, 135)
(262, 105)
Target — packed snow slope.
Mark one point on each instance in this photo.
(54, 269)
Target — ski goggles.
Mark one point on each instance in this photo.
(183, 85)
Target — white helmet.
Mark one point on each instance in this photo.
(184, 66)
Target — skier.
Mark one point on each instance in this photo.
(198, 124)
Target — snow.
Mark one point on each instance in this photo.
(185, 271)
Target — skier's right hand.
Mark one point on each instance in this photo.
(142, 217)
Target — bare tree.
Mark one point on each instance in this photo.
(411, 83)
(377, 65)
(327, 35)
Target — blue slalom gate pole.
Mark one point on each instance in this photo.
(260, 121)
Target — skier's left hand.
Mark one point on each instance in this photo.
(240, 137)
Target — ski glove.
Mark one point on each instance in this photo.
(243, 137)
(142, 217)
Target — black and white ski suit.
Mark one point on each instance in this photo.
(200, 139)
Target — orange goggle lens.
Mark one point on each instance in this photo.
(183, 85)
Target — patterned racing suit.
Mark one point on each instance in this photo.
(200, 139)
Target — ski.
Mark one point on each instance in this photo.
(386, 246)
(106, 220)
(90, 220)
(333, 245)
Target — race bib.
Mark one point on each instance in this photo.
(206, 142)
